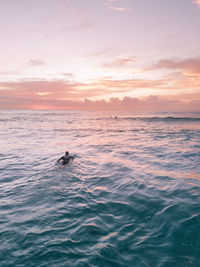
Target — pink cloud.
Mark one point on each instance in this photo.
(120, 62)
(125, 85)
(197, 2)
(151, 103)
(82, 23)
(68, 74)
(66, 89)
(36, 62)
(63, 95)
(191, 65)
(118, 8)
(56, 89)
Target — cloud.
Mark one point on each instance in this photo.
(36, 62)
(9, 72)
(124, 61)
(62, 94)
(85, 23)
(52, 90)
(68, 74)
(190, 65)
(197, 2)
(121, 9)
(112, 5)
(151, 103)
(80, 24)
(55, 89)
(126, 85)
(43, 93)
(120, 62)
(105, 52)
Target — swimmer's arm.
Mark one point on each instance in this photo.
(60, 159)
(71, 157)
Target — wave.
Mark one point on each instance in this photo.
(126, 199)
(184, 119)
(160, 119)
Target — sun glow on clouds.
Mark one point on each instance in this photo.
(117, 68)
(197, 2)
(43, 93)
(118, 8)
(98, 50)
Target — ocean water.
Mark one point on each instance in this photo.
(131, 197)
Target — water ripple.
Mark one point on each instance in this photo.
(129, 198)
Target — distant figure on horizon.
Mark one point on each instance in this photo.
(65, 159)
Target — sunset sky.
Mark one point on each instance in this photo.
(100, 54)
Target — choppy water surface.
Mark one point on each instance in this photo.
(131, 197)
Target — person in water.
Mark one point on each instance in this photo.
(65, 159)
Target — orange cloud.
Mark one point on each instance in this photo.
(197, 2)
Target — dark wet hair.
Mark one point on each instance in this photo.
(66, 152)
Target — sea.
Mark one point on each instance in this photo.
(130, 197)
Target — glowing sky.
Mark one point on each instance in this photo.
(100, 54)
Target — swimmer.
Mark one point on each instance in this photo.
(65, 159)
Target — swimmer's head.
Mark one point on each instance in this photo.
(66, 153)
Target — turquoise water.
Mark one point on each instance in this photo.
(131, 197)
